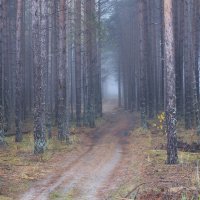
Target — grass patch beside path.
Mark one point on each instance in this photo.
(5, 198)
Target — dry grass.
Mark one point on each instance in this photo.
(157, 180)
(19, 167)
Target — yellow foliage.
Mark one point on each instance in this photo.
(159, 122)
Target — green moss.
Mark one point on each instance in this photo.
(5, 198)
(188, 157)
(57, 195)
(140, 131)
(70, 195)
(14, 150)
(161, 156)
(25, 146)
(23, 186)
(20, 155)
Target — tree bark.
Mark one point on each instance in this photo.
(62, 115)
(39, 93)
(78, 60)
(90, 62)
(172, 156)
(19, 71)
(142, 65)
(1, 74)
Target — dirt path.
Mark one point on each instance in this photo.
(84, 172)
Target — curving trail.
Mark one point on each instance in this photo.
(86, 172)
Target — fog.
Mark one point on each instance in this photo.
(109, 80)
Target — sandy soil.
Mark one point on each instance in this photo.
(87, 173)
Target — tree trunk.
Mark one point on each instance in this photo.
(19, 71)
(78, 60)
(1, 74)
(44, 56)
(62, 117)
(172, 156)
(142, 65)
(90, 62)
(39, 93)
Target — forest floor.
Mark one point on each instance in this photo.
(116, 160)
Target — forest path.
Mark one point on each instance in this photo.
(86, 173)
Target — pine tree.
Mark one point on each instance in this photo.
(62, 115)
(172, 156)
(1, 74)
(39, 93)
(142, 64)
(78, 60)
(19, 71)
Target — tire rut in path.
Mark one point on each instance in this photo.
(86, 172)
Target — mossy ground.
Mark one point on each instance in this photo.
(19, 167)
(4, 198)
(57, 195)
(144, 162)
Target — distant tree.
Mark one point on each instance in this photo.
(1, 74)
(6, 68)
(62, 115)
(143, 63)
(49, 70)
(90, 60)
(190, 65)
(19, 72)
(179, 50)
(67, 66)
(99, 55)
(44, 57)
(78, 60)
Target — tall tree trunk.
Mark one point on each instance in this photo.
(90, 62)
(178, 25)
(187, 66)
(194, 56)
(6, 91)
(62, 115)
(1, 74)
(85, 85)
(19, 71)
(99, 52)
(142, 64)
(78, 60)
(39, 93)
(49, 87)
(67, 67)
(172, 156)
(44, 55)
